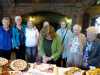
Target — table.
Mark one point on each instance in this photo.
(5, 70)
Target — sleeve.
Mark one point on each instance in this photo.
(40, 47)
(14, 43)
(24, 28)
(58, 49)
(95, 59)
(37, 34)
(57, 32)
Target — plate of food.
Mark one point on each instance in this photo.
(18, 65)
(74, 71)
(93, 71)
(45, 67)
(3, 61)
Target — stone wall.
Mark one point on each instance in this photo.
(70, 10)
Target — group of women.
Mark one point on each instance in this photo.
(64, 47)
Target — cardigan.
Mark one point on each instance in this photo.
(15, 36)
(55, 47)
(5, 39)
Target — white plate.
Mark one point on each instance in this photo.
(18, 65)
(3, 61)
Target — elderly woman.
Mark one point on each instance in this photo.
(50, 46)
(75, 46)
(18, 38)
(5, 38)
(91, 55)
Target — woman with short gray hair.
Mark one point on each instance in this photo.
(75, 47)
(19, 38)
(91, 52)
(5, 38)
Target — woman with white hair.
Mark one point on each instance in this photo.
(5, 38)
(91, 55)
(18, 38)
(75, 46)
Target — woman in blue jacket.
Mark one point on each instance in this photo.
(18, 38)
(5, 38)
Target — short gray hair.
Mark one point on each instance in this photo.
(91, 29)
(6, 18)
(17, 17)
(77, 26)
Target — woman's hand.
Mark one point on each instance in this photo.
(85, 64)
(46, 59)
(17, 48)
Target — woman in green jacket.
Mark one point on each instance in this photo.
(50, 46)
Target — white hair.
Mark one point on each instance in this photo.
(91, 29)
(98, 20)
(17, 17)
(77, 26)
(45, 23)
